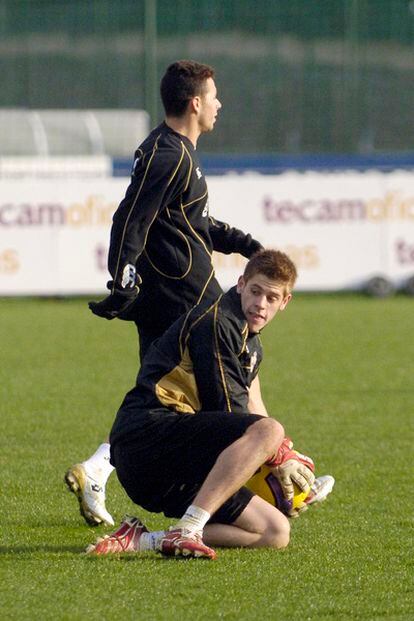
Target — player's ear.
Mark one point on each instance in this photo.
(285, 301)
(240, 284)
(195, 103)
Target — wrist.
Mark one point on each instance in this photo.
(283, 453)
(119, 292)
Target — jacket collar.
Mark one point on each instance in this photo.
(231, 302)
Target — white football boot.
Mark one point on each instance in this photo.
(90, 494)
(320, 489)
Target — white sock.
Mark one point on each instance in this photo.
(98, 465)
(151, 541)
(194, 519)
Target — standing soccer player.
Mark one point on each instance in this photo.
(162, 240)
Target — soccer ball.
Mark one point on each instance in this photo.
(266, 485)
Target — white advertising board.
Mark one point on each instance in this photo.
(54, 234)
(340, 228)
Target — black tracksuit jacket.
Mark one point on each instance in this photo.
(206, 361)
(163, 227)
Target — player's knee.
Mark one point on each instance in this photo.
(278, 533)
(270, 434)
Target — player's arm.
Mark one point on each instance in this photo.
(214, 346)
(256, 404)
(157, 178)
(228, 239)
(154, 184)
(289, 466)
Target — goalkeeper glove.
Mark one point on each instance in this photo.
(117, 302)
(252, 246)
(290, 467)
(296, 511)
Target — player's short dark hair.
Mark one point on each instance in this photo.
(182, 81)
(273, 264)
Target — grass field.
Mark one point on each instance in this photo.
(338, 372)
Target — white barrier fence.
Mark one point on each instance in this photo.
(340, 228)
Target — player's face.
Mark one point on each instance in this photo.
(208, 107)
(261, 299)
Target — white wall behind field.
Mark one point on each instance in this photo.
(341, 228)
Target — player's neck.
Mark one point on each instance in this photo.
(186, 126)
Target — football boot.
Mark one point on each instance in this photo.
(90, 494)
(124, 539)
(180, 543)
(320, 489)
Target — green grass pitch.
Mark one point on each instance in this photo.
(338, 373)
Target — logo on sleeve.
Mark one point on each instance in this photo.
(205, 210)
(129, 276)
(198, 172)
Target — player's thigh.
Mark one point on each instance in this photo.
(259, 516)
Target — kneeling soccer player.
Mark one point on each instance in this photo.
(185, 440)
